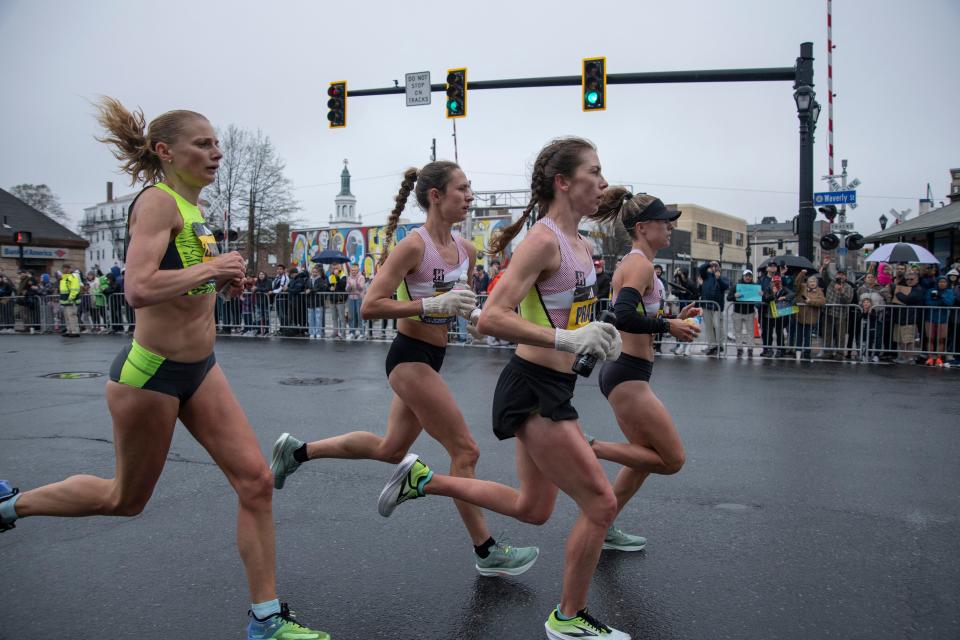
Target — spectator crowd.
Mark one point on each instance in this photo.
(899, 313)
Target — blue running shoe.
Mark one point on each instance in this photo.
(6, 493)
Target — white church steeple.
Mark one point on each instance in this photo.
(345, 203)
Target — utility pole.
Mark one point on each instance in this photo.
(455, 157)
(250, 227)
(433, 151)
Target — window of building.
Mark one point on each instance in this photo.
(739, 239)
(701, 231)
(721, 235)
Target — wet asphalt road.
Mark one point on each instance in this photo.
(817, 501)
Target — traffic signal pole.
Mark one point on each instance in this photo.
(801, 74)
(770, 74)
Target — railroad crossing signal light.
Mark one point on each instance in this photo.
(829, 212)
(594, 84)
(23, 237)
(829, 242)
(854, 242)
(337, 104)
(457, 93)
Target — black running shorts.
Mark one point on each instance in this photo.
(624, 368)
(526, 389)
(407, 349)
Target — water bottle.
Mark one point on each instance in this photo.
(585, 363)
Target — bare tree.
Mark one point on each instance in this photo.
(41, 198)
(612, 239)
(225, 192)
(251, 179)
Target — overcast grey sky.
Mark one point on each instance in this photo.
(266, 65)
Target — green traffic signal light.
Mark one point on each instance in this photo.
(457, 93)
(594, 84)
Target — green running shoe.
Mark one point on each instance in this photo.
(622, 541)
(580, 627)
(282, 463)
(281, 626)
(405, 484)
(507, 560)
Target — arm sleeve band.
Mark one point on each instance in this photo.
(627, 317)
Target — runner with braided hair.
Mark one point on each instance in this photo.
(423, 269)
(551, 280)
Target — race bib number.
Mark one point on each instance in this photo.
(581, 309)
(207, 241)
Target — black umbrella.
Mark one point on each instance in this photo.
(795, 263)
(329, 256)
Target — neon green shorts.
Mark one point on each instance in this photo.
(136, 367)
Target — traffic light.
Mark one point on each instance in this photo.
(594, 84)
(829, 212)
(23, 237)
(337, 104)
(829, 242)
(854, 242)
(457, 93)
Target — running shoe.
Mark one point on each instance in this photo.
(6, 492)
(507, 560)
(582, 626)
(405, 484)
(281, 626)
(621, 541)
(282, 463)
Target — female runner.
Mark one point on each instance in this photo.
(169, 371)
(423, 270)
(653, 442)
(551, 279)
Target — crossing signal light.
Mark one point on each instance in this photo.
(594, 84)
(829, 212)
(457, 93)
(854, 242)
(23, 237)
(337, 104)
(829, 242)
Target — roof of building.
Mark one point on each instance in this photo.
(20, 216)
(947, 217)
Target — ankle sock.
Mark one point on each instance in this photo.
(560, 615)
(483, 550)
(8, 512)
(300, 455)
(423, 482)
(264, 610)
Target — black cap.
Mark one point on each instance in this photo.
(656, 210)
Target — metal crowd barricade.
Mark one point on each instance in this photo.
(912, 334)
(890, 332)
(713, 343)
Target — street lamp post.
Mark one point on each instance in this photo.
(807, 112)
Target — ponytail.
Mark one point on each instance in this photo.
(409, 180)
(134, 142)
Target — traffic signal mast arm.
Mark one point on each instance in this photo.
(769, 74)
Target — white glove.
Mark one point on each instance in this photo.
(458, 302)
(472, 325)
(598, 339)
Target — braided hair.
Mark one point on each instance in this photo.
(561, 156)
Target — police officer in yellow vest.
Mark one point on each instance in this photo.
(69, 299)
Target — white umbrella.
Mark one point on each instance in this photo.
(902, 252)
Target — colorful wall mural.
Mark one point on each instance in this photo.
(363, 245)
